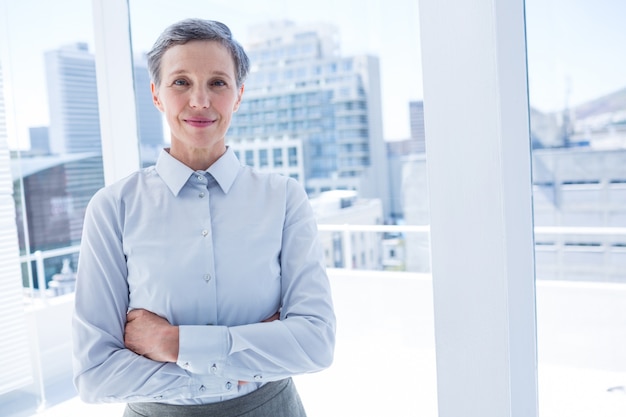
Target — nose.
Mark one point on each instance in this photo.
(200, 98)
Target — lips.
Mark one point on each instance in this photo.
(199, 121)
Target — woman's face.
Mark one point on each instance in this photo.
(198, 95)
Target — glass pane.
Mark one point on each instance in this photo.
(55, 135)
(53, 132)
(577, 88)
(334, 100)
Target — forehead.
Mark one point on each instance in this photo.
(204, 56)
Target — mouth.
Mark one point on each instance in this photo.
(199, 121)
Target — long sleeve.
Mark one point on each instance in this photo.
(301, 341)
(104, 370)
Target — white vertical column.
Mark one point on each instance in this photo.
(116, 94)
(478, 156)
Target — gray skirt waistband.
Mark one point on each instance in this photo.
(274, 399)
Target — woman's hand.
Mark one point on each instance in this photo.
(154, 337)
(151, 336)
(275, 316)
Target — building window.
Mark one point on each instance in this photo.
(263, 158)
(293, 157)
(250, 157)
(278, 157)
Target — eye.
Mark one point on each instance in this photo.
(218, 83)
(180, 82)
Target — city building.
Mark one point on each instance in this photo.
(301, 88)
(361, 250)
(397, 153)
(579, 180)
(73, 103)
(282, 155)
(580, 187)
(72, 100)
(575, 187)
(149, 118)
(63, 168)
(56, 191)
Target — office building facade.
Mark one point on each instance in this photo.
(301, 88)
(72, 100)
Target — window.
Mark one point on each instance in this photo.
(249, 157)
(293, 156)
(263, 162)
(50, 164)
(143, 17)
(278, 157)
(574, 82)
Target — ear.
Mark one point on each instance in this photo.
(239, 97)
(155, 97)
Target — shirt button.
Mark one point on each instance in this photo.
(201, 195)
(207, 277)
(229, 385)
(186, 365)
(205, 232)
(258, 377)
(200, 177)
(213, 369)
(202, 388)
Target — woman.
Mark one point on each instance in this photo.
(201, 286)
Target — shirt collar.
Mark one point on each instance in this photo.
(175, 174)
(225, 170)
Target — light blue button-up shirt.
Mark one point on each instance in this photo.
(215, 253)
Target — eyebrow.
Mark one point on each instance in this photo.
(214, 73)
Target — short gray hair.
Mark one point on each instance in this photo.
(197, 29)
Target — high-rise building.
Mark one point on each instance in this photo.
(73, 104)
(59, 186)
(301, 89)
(74, 129)
(72, 100)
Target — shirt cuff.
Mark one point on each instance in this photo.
(203, 349)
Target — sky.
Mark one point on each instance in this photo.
(575, 47)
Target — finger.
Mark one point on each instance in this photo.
(133, 314)
(275, 316)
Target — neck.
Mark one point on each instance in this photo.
(198, 159)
